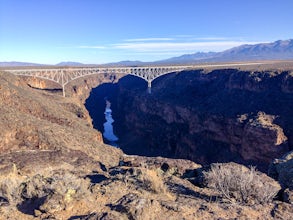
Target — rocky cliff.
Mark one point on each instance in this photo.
(202, 115)
(53, 165)
(209, 116)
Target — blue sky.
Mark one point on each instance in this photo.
(101, 31)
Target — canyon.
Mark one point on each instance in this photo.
(205, 116)
(55, 165)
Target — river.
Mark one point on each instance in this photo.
(108, 127)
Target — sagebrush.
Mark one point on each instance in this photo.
(238, 184)
(152, 181)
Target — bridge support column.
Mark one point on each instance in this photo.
(149, 87)
(63, 90)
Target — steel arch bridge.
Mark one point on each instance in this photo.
(63, 76)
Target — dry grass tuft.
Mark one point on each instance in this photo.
(153, 181)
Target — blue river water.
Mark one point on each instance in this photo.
(108, 127)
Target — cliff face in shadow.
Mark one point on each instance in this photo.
(206, 116)
(216, 116)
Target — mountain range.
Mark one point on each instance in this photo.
(278, 50)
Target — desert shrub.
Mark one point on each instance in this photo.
(239, 184)
(9, 189)
(152, 180)
(63, 183)
(66, 182)
(36, 187)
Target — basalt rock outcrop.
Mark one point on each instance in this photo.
(209, 116)
(282, 170)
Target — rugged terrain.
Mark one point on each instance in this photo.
(54, 165)
(211, 115)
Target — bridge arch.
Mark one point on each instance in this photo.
(64, 76)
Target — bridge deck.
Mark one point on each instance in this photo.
(63, 76)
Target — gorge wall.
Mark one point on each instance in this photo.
(54, 165)
(206, 116)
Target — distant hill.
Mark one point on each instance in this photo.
(127, 63)
(278, 50)
(189, 57)
(25, 64)
(69, 63)
(13, 63)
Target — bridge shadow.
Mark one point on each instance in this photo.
(50, 90)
